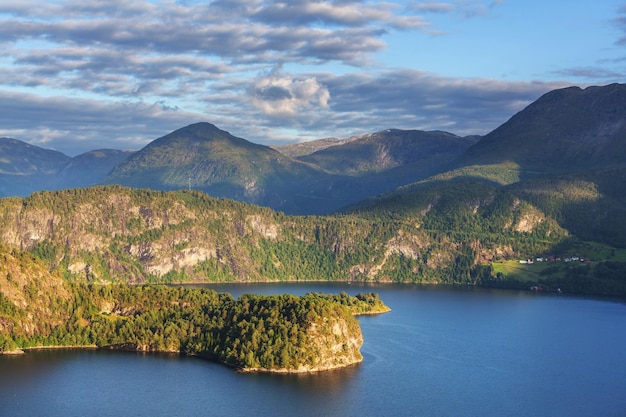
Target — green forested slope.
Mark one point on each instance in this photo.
(127, 235)
(270, 333)
(435, 231)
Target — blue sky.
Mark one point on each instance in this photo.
(79, 75)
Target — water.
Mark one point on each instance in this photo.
(440, 352)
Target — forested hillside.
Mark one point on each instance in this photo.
(254, 333)
(446, 234)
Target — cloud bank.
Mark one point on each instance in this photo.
(81, 75)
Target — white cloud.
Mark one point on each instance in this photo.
(281, 95)
(83, 74)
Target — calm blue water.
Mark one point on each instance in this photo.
(440, 352)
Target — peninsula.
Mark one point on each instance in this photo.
(280, 333)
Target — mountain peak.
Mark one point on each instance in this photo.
(24, 158)
(389, 149)
(564, 130)
(201, 156)
(198, 133)
(202, 128)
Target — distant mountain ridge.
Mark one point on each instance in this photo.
(565, 131)
(389, 149)
(26, 168)
(201, 156)
(21, 158)
(204, 157)
(90, 167)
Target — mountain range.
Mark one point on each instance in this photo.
(26, 168)
(407, 206)
(570, 130)
(203, 157)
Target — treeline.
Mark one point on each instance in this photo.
(258, 332)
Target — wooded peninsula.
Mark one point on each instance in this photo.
(281, 333)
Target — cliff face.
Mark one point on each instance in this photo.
(331, 342)
(338, 348)
(113, 233)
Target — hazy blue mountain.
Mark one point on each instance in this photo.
(565, 131)
(25, 168)
(90, 167)
(427, 152)
(203, 157)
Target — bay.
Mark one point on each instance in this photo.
(441, 351)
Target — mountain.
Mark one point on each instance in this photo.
(437, 233)
(90, 167)
(23, 159)
(569, 131)
(26, 168)
(499, 202)
(427, 152)
(566, 154)
(203, 157)
(565, 130)
(113, 233)
(379, 162)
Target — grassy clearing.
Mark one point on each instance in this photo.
(522, 272)
(539, 271)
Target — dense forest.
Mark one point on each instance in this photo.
(270, 333)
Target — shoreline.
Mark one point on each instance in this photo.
(299, 371)
(372, 313)
(24, 350)
(281, 371)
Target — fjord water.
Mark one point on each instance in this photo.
(440, 352)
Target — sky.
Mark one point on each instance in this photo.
(80, 75)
